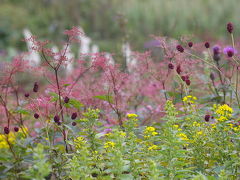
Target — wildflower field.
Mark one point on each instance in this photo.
(91, 118)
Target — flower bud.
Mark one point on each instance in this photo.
(74, 123)
(178, 69)
(207, 44)
(6, 130)
(16, 129)
(180, 48)
(190, 44)
(35, 88)
(66, 99)
(36, 115)
(230, 27)
(183, 78)
(170, 66)
(26, 95)
(188, 82)
(207, 117)
(56, 119)
(74, 116)
(212, 77)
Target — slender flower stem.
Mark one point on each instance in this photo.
(60, 105)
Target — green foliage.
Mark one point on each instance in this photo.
(182, 147)
(40, 167)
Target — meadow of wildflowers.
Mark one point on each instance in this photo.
(177, 118)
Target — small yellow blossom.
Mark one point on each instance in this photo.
(123, 134)
(79, 142)
(189, 99)
(175, 126)
(5, 139)
(150, 129)
(183, 136)
(153, 147)
(109, 144)
(154, 133)
(132, 115)
(196, 124)
(199, 133)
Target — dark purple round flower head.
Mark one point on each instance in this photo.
(6, 130)
(207, 117)
(35, 87)
(188, 82)
(178, 69)
(56, 119)
(216, 49)
(36, 115)
(16, 129)
(66, 99)
(183, 78)
(190, 44)
(212, 77)
(180, 48)
(74, 116)
(230, 27)
(229, 51)
(216, 53)
(26, 95)
(170, 66)
(207, 45)
(74, 123)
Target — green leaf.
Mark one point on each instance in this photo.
(75, 103)
(22, 111)
(66, 85)
(105, 98)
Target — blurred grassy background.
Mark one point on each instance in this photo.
(109, 22)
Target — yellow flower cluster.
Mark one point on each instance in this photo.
(79, 142)
(196, 124)
(183, 136)
(189, 99)
(235, 128)
(109, 144)
(176, 127)
(122, 134)
(4, 139)
(150, 131)
(153, 147)
(223, 111)
(132, 115)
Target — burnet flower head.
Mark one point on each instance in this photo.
(229, 51)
